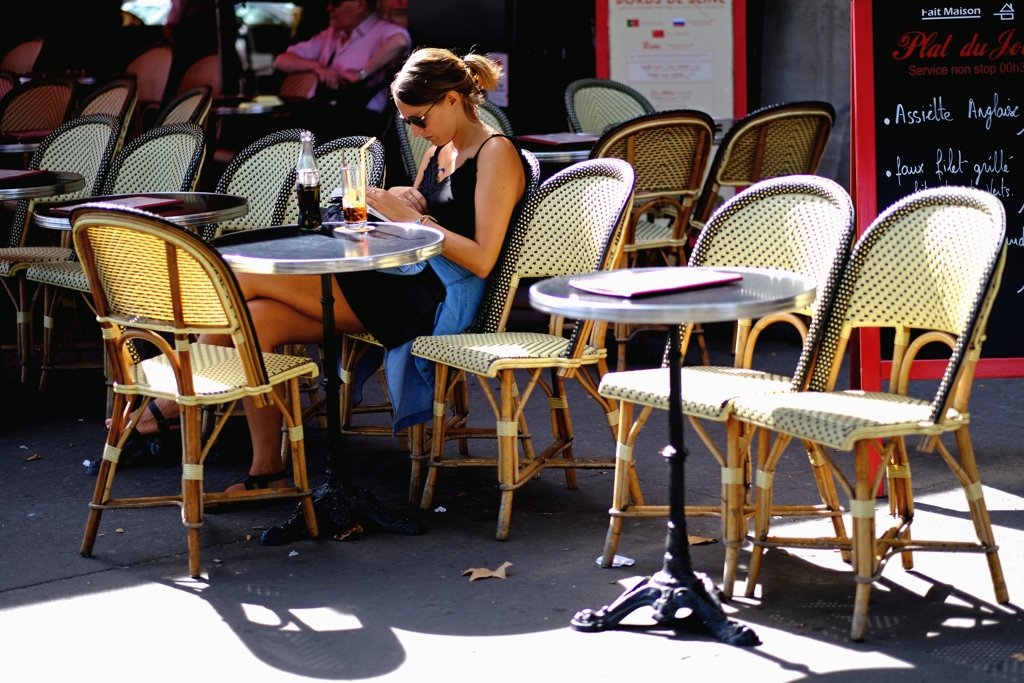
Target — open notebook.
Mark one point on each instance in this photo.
(131, 202)
(627, 283)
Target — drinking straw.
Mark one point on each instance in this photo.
(362, 159)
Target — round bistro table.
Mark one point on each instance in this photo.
(37, 185)
(188, 209)
(761, 292)
(338, 504)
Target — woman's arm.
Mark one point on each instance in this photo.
(499, 185)
(410, 195)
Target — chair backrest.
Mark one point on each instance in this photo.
(801, 224)
(116, 98)
(8, 80)
(413, 147)
(204, 71)
(669, 151)
(497, 297)
(165, 159)
(145, 273)
(594, 104)
(40, 104)
(191, 106)
(84, 145)
(257, 173)
(931, 261)
(330, 157)
(574, 221)
(299, 86)
(22, 57)
(151, 70)
(495, 117)
(783, 139)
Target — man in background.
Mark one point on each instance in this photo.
(354, 58)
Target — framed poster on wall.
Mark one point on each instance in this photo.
(679, 54)
(937, 101)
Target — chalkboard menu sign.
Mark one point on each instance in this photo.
(938, 100)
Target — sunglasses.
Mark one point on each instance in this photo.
(420, 121)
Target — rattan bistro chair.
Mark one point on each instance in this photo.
(803, 224)
(151, 69)
(489, 319)
(149, 277)
(783, 139)
(299, 86)
(191, 106)
(164, 159)
(86, 146)
(575, 224)
(932, 262)
(21, 59)
(116, 98)
(595, 104)
(669, 151)
(42, 104)
(257, 173)
(204, 72)
(495, 117)
(8, 81)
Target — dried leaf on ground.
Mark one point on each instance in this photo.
(353, 533)
(33, 457)
(1019, 656)
(700, 540)
(485, 573)
(119, 531)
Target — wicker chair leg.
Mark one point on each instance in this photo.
(417, 456)
(563, 424)
(702, 347)
(734, 522)
(52, 296)
(298, 451)
(979, 514)
(437, 435)
(901, 500)
(462, 405)
(508, 455)
(865, 562)
(827, 490)
(762, 517)
(25, 346)
(620, 488)
(106, 474)
(192, 488)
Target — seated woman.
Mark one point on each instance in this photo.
(469, 186)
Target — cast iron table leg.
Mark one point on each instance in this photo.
(338, 504)
(676, 586)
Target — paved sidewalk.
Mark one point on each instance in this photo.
(397, 608)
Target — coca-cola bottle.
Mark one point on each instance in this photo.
(307, 186)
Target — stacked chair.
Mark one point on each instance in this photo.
(148, 278)
(595, 104)
(931, 263)
(573, 225)
(803, 224)
(160, 160)
(84, 145)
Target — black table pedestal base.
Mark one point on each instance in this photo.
(338, 509)
(667, 594)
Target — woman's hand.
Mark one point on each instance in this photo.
(411, 196)
(395, 207)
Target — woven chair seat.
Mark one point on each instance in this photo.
(364, 337)
(838, 419)
(653, 236)
(66, 274)
(217, 375)
(487, 354)
(707, 392)
(10, 259)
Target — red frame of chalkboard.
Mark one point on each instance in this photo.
(867, 369)
(602, 51)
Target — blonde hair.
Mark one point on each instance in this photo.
(431, 72)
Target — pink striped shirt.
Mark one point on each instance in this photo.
(341, 51)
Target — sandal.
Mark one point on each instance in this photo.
(261, 481)
(156, 447)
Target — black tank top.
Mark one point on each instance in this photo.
(453, 200)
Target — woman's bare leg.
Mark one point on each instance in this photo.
(285, 309)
